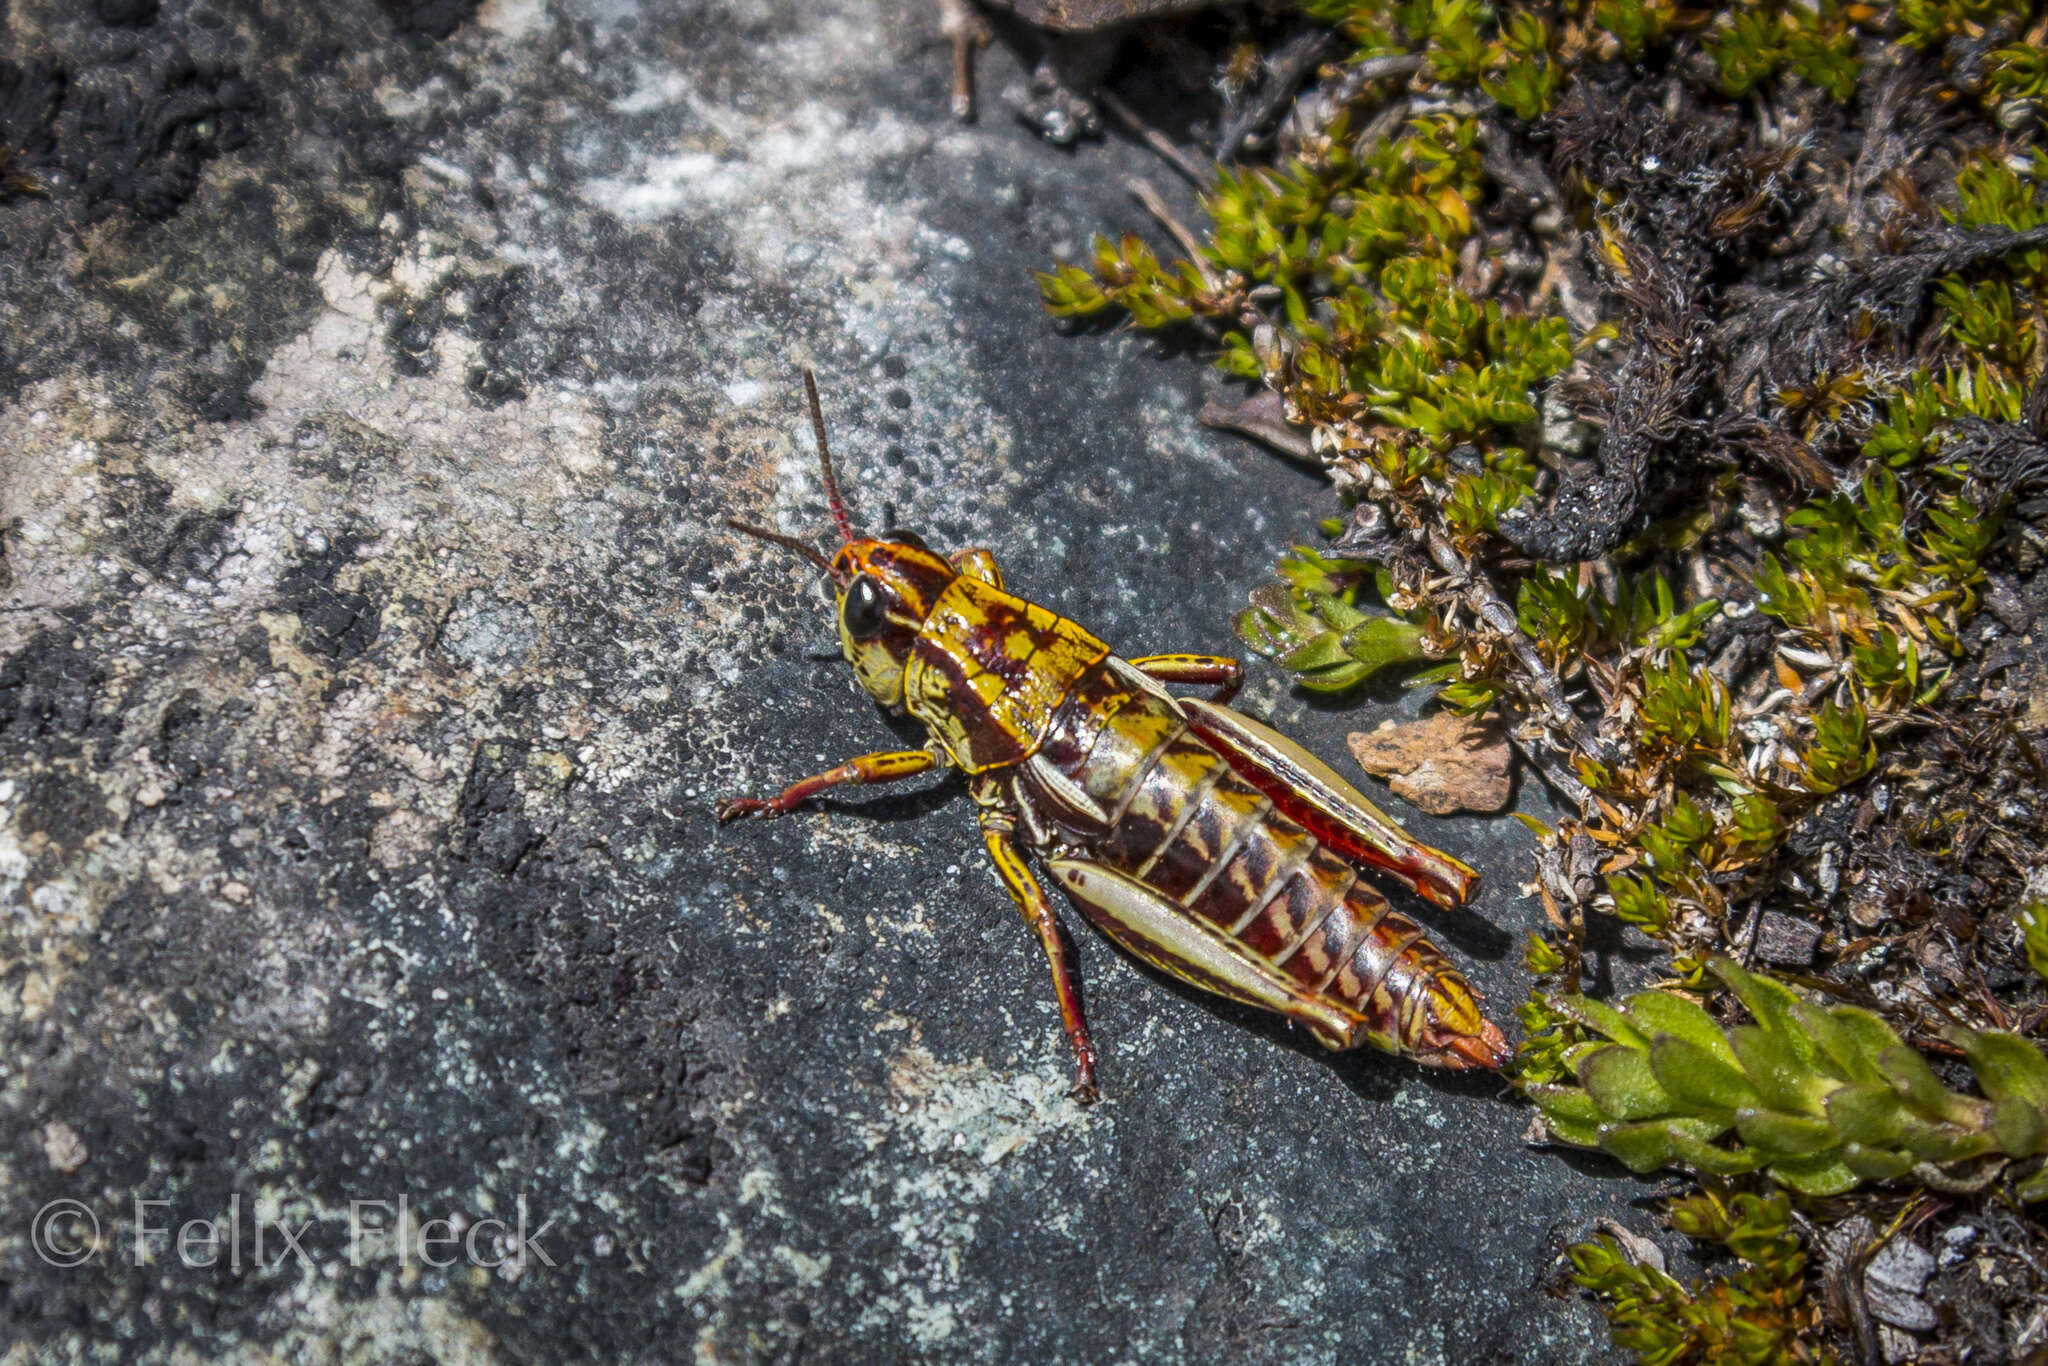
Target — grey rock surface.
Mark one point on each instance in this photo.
(376, 380)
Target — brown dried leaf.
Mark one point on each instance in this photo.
(1442, 763)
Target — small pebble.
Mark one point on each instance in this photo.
(63, 1148)
(1893, 1282)
(1786, 941)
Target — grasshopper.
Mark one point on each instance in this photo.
(1198, 839)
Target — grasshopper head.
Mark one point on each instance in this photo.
(883, 587)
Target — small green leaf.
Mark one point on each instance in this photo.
(1869, 1113)
(1324, 652)
(2006, 1065)
(1941, 1143)
(1619, 1080)
(2019, 1127)
(1339, 679)
(1667, 1012)
(2033, 921)
(1640, 1147)
(1915, 1081)
(1700, 1077)
(1604, 1018)
(1637, 901)
(1378, 642)
(1841, 1053)
(1571, 1114)
(1782, 1135)
(1541, 957)
(1868, 1035)
(1652, 1144)
(1876, 1164)
(1784, 1079)
(1770, 1001)
(1821, 1175)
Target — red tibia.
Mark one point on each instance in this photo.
(883, 767)
(1437, 880)
(1430, 873)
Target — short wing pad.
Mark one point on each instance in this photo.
(1309, 791)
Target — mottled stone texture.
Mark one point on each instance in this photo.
(376, 379)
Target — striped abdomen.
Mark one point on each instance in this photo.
(1122, 780)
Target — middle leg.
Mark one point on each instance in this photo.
(999, 835)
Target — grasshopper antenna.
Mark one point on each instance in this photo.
(759, 533)
(825, 459)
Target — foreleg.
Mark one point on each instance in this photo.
(886, 766)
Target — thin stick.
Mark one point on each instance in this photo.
(1196, 173)
(1155, 204)
(963, 77)
(964, 27)
(825, 459)
(809, 552)
(1288, 68)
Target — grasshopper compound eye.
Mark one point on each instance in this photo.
(863, 611)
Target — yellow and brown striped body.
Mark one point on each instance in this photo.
(1122, 779)
(1203, 842)
(1097, 764)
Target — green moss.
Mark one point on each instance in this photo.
(1930, 23)
(2017, 73)
(1756, 1313)
(1312, 624)
(1818, 45)
(1520, 71)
